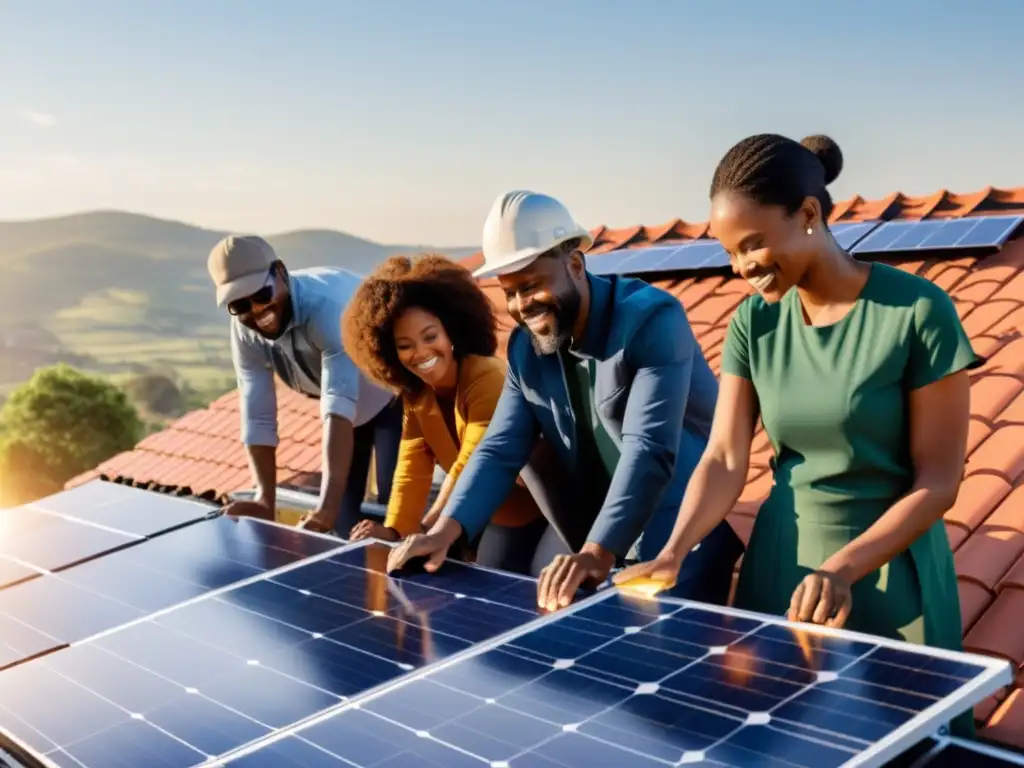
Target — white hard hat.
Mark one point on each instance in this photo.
(520, 227)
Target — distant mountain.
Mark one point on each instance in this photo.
(131, 291)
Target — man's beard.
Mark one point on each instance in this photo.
(564, 313)
(287, 313)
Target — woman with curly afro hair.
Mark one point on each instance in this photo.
(424, 328)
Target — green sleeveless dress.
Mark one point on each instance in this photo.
(833, 403)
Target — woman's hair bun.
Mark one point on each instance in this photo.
(828, 153)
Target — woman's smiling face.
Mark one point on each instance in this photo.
(768, 248)
(423, 346)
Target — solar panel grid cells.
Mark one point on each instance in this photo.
(947, 234)
(208, 677)
(83, 523)
(45, 613)
(125, 509)
(50, 542)
(618, 683)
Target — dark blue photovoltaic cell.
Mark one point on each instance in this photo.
(49, 611)
(231, 668)
(608, 263)
(124, 508)
(210, 554)
(991, 230)
(936, 234)
(51, 542)
(699, 254)
(623, 682)
(884, 236)
(945, 234)
(849, 234)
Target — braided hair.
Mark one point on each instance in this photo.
(774, 170)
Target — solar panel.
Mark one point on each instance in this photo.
(47, 612)
(45, 541)
(699, 254)
(82, 523)
(936, 234)
(213, 674)
(848, 234)
(619, 681)
(126, 509)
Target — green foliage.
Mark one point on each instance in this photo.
(60, 423)
(155, 393)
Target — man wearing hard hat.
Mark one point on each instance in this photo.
(608, 372)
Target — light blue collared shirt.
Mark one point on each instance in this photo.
(308, 357)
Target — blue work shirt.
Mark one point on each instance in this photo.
(654, 394)
(308, 356)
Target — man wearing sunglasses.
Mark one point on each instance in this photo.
(290, 324)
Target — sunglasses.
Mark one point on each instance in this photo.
(263, 296)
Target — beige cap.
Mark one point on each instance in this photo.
(238, 265)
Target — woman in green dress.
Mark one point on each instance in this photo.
(858, 372)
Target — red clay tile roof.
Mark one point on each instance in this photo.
(985, 527)
(941, 205)
(202, 449)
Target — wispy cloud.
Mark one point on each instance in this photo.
(42, 119)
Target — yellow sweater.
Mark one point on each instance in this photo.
(426, 441)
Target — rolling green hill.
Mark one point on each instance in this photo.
(118, 293)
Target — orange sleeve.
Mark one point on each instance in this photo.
(414, 475)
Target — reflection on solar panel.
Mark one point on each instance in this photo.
(44, 541)
(947, 234)
(126, 509)
(80, 524)
(52, 610)
(651, 683)
(210, 675)
(697, 255)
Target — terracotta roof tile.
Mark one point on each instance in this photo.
(985, 526)
(979, 495)
(992, 633)
(989, 554)
(939, 205)
(1014, 578)
(974, 601)
(1006, 724)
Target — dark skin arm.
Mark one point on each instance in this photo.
(263, 465)
(939, 420)
(714, 487)
(337, 461)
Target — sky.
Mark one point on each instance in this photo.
(402, 120)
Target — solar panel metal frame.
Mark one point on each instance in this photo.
(41, 761)
(904, 228)
(978, 747)
(998, 673)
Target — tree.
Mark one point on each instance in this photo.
(156, 393)
(60, 423)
